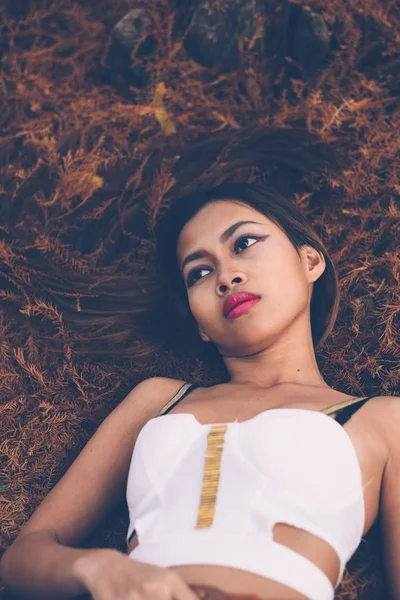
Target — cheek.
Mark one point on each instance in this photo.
(281, 282)
(283, 267)
(195, 301)
(202, 301)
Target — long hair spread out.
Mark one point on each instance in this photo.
(136, 305)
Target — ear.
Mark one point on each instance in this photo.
(315, 263)
(203, 335)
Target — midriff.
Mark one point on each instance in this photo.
(238, 581)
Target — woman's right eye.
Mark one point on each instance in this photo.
(192, 275)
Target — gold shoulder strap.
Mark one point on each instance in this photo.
(336, 407)
(176, 398)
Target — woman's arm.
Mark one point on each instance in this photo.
(389, 425)
(39, 563)
(41, 568)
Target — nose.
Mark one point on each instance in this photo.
(227, 281)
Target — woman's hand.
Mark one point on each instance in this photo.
(111, 575)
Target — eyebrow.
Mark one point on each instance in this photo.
(223, 238)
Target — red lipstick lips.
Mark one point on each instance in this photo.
(245, 298)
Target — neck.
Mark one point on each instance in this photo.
(284, 362)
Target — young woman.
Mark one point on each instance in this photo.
(261, 486)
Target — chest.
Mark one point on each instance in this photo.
(219, 406)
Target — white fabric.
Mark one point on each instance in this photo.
(293, 466)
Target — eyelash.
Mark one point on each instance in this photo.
(242, 237)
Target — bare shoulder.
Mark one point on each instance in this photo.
(101, 469)
(150, 395)
(383, 413)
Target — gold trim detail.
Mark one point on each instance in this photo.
(212, 465)
(341, 405)
(177, 396)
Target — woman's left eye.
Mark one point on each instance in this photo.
(246, 237)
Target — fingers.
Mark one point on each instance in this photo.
(180, 589)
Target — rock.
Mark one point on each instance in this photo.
(132, 27)
(136, 24)
(308, 38)
(213, 30)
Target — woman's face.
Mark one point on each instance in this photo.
(253, 257)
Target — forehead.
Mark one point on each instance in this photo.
(213, 219)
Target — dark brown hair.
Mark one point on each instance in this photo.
(125, 307)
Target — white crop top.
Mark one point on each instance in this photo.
(211, 494)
